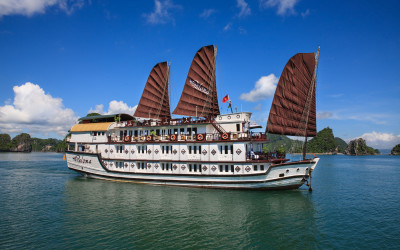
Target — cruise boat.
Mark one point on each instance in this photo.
(204, 148)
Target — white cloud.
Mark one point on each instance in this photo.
(324, 115)
(114, 107)
(162, 12)
(228, 26)
(207, 13)
(381, 140)
(244, 8)
(31, 7)
(34, 111)
(263, 89)
(305, 13)
(284, 6)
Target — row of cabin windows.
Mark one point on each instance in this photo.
(255, 168)
(195, 151)
(96, 133)
(227, 149)
(166, 149)
(175, 131)
(192, 167)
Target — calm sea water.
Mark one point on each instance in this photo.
(355, 204)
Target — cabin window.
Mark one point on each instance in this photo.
(220, 149)
(175, 131)
(231, 149)
(162, 149)
(238, 127)
(136, 133)
(255, 168)
(189, 131)
(221, 168)
(194, 131)
(121, 134)
(162, 166)
(226, 168)
(195, 167)
(200, 168)
(232, 168)
(262, 167)
(190, 167)
(195, 149)
(200, 149)
(190, 149)
(168, 149)
(182, 131)
(157, 132)
(226, 149)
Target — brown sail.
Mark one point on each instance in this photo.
(199, 95)
(293, 110)
(154, 102)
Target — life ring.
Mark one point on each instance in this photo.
(225, 136)
(148, 138)
(200, 137)
(173, 137)
(127, 138)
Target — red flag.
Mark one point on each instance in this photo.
(225, 99)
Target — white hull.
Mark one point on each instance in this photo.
(275, 176)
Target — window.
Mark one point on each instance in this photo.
(195, 149)
(262, 167)
(200, 149)
(226, 168)
(168, 149)
(231, 149)
(189, 131)
(226, 149)
(162, 149)
(238, 127)
(255, 167)
(232, 168)
(182, 131)
(195, 167)
(200, 168)
(175, 131)
(194, 131)
(190, 167)
(190, 149)
(162, 166)
(221, 168)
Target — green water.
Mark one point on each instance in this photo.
(355, 204)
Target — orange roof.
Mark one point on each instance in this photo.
(100, 126)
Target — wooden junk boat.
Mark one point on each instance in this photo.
(205, 148)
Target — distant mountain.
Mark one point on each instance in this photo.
(24, 143)
(341, 145)
(324, 142)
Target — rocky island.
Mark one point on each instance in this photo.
(359, 147)
(395, 150)
(24, 143)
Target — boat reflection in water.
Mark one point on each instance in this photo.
(106, 213)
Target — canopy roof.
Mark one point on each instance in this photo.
(100, 126)
(106, 118)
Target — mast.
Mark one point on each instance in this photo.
(312, 88)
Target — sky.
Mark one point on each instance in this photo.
(61, 59)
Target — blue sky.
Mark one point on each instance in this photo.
(61, 59)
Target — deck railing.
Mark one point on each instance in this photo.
(234, 136)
